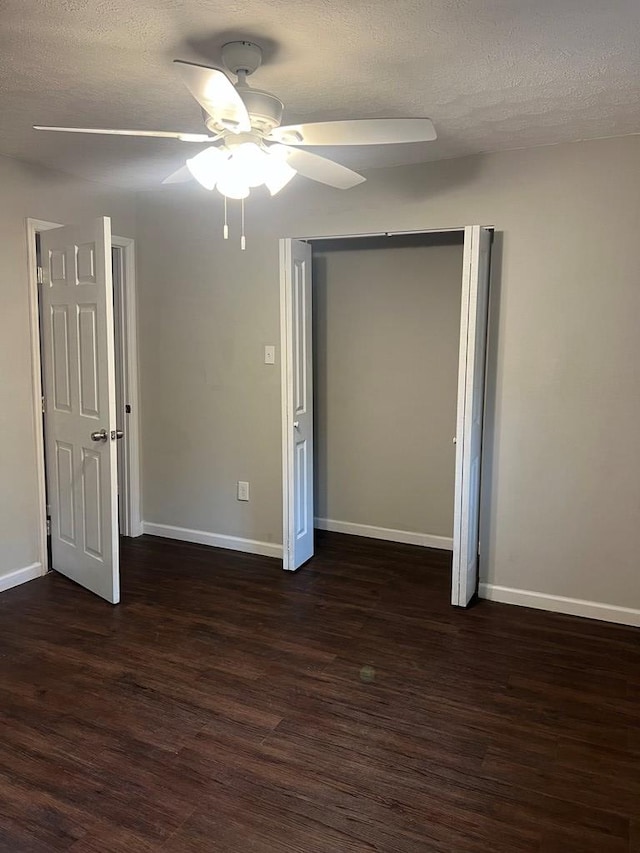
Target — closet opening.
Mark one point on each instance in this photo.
(386, 321)
(383, 363)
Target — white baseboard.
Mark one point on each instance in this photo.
(426, 540)
(216, 540)
(560, 604)
(19, 576)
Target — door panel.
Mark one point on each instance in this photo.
(65, 493)
(61, 358)
(473, 335)
(88, 360)
(79, 390)
(295, 279)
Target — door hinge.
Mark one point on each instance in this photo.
(127, 408)
(40, 275)
(44, 405)
(48, 525)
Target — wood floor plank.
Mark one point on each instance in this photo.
(229, 706)
(561, 840)
(113, 839)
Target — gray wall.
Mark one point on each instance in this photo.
(30, 191)
(561, 485)
(387, 334)
(210, 407)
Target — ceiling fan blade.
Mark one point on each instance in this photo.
(216, 94)
(163, 134)
(363, 131)
(179, 176)
(318, 168)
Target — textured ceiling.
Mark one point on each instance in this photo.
(492, 74)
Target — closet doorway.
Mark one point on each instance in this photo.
(401, 324)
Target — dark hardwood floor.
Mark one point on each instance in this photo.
(228, 706)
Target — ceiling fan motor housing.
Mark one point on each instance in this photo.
(265, 111)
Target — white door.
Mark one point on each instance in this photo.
(80, 404)
(297, 382)
(473, 335)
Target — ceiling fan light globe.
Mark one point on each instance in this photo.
(231, 187)
(206, 166)
(278, 176)
(249, 163)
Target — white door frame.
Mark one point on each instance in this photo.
(128, 356)
(129, 336)
(286, 342)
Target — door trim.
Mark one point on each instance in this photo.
(33, 227)
(129, 334)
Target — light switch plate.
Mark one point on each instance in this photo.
(243, 490)
(269, 355)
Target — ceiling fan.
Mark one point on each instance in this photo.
(244, 125)
(248, 147)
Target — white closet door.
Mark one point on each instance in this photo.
(297, 382)
(80, 404)
(473, 335)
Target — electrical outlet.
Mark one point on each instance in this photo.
(269, 355)
(243, 490)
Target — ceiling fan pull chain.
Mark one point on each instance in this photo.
(225, 230)
(243, 242)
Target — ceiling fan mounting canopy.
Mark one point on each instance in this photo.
(241, 57)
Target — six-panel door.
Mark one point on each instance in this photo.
(79, 390)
